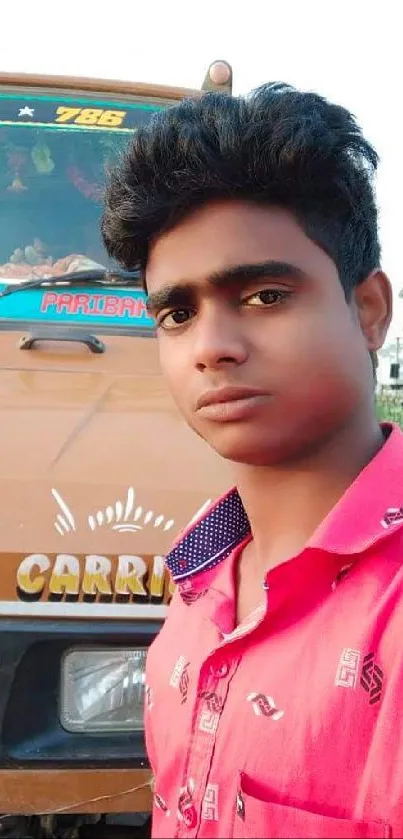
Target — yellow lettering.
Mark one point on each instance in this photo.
(112, 119)
(97, 575)
(65, 577)
(88, 116)
(66, 114)
(156, 583)
(28, 579)
(92, 575)
(130, 575)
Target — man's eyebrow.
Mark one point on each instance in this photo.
(238, 274)
(184, 294)
(180, 294)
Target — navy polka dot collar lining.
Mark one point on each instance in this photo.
(211, 539)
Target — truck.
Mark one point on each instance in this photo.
(98, 471)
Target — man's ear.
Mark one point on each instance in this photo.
(373, 299)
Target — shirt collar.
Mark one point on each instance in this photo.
(370, 509)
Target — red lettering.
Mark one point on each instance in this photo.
(141, 308)
(111, 306)
(48, 299)
(127, 306)
(95, 304)
(97, 308)
(134, 307)
(64, 301)
(81, 302)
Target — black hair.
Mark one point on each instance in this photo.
(277, 146)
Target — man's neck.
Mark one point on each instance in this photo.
(285, 503)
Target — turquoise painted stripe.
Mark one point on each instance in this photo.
(81, 306)
(123, 103)
(68, 126)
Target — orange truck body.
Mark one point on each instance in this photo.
(98, 472)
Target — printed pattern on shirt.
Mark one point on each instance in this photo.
(264, 705)
(177, 671)
(210, 803)
(372, 678)
(186, 809)
(212, 700)
(209, 722)
(184, 683)
(393, 515)
(347, 671)
(189, 596)
(180, 677)
(161, 804)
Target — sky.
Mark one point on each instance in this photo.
(349, 51)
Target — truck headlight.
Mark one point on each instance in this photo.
(102, 690)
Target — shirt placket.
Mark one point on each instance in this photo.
(214, 683)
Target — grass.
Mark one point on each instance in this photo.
(389, 406)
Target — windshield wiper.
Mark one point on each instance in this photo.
(97, 275)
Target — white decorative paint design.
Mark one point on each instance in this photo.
(126, 517)
(200, 512)
(26, 112)
(122, 516)
(66, 522)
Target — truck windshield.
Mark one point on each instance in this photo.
(54, 153)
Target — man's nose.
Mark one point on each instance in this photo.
(218, 340)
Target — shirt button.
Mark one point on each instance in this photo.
(220, 671)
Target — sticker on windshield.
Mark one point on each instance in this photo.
(90, 116)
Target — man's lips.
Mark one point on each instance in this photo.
(227, 404)
(226, 394)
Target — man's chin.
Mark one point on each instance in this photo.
(247, 456)
(251, 448)
(252, 444)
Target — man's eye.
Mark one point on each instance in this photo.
(171, 320)
(266, 297)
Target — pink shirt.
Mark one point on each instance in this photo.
(291, 724)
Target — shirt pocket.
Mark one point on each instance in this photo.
(263, 819)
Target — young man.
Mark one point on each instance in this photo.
(275, 686)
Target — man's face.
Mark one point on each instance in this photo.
(262, 353)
